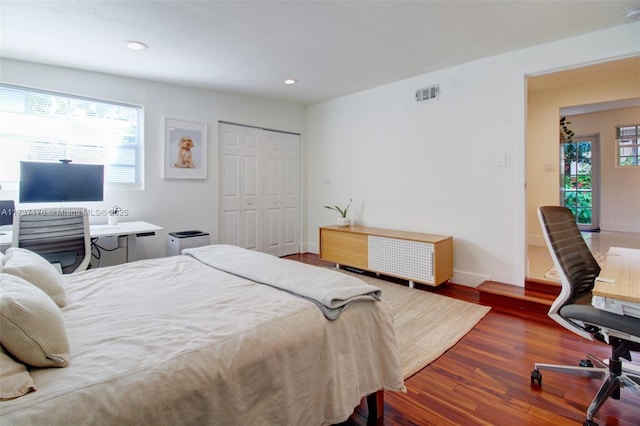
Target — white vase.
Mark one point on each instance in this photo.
(344, 221)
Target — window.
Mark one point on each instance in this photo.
(38, 125)
(628, 145)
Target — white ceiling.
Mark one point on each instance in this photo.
(332, 48)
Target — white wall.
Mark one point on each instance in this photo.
(428, 167)
(176, 205)
(432, 167)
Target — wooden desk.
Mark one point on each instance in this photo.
(622, 295)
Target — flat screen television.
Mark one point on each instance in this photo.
(57, 182)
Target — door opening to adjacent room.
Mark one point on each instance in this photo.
(564, 93)
(580, 180)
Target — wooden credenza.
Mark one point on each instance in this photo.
(416, 257)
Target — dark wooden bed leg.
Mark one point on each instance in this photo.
(375, 405)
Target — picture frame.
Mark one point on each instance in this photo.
(185, 149)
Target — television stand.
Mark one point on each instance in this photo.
(413, 256)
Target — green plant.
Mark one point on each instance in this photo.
(567, 134)
(343, 212)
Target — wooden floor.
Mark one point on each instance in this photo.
(485, 378)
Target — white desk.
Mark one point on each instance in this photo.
(131, 230)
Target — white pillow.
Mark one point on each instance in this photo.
(38, 271)
(33, 329)
(15, 380)
(2, 257)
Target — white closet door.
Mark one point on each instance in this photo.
(282, 193)
(240, 195)
(260, 189)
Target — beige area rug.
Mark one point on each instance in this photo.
(552, 273)
(426, 324)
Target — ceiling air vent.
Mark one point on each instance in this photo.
(428, 94)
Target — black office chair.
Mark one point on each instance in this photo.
(59, 235)
(573, 310)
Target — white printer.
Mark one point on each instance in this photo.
(179, 241)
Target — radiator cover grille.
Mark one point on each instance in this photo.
(403, 258)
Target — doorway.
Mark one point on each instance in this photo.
(259, 189)
(580, 180)
(610, 88)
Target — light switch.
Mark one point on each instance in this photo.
(501, 159)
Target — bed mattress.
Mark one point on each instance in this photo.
(174, 341)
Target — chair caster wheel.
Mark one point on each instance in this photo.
(589, 423)
(585, 363)
(536, 375)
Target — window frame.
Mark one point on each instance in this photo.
(137, 149)
(635, 146)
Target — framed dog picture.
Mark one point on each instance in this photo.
(185, 149)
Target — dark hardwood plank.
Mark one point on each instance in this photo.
(484, 379)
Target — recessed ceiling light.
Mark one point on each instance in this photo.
(290, 81)
(136, 45)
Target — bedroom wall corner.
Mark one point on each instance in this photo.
(175, 205)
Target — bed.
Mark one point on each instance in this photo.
(196, 339)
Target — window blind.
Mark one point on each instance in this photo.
(37, 125)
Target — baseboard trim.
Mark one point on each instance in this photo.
(468, 279)
(618, 227)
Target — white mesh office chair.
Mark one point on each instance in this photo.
(572, 309)
(59, 235)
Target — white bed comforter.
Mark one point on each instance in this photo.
(173, 341)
